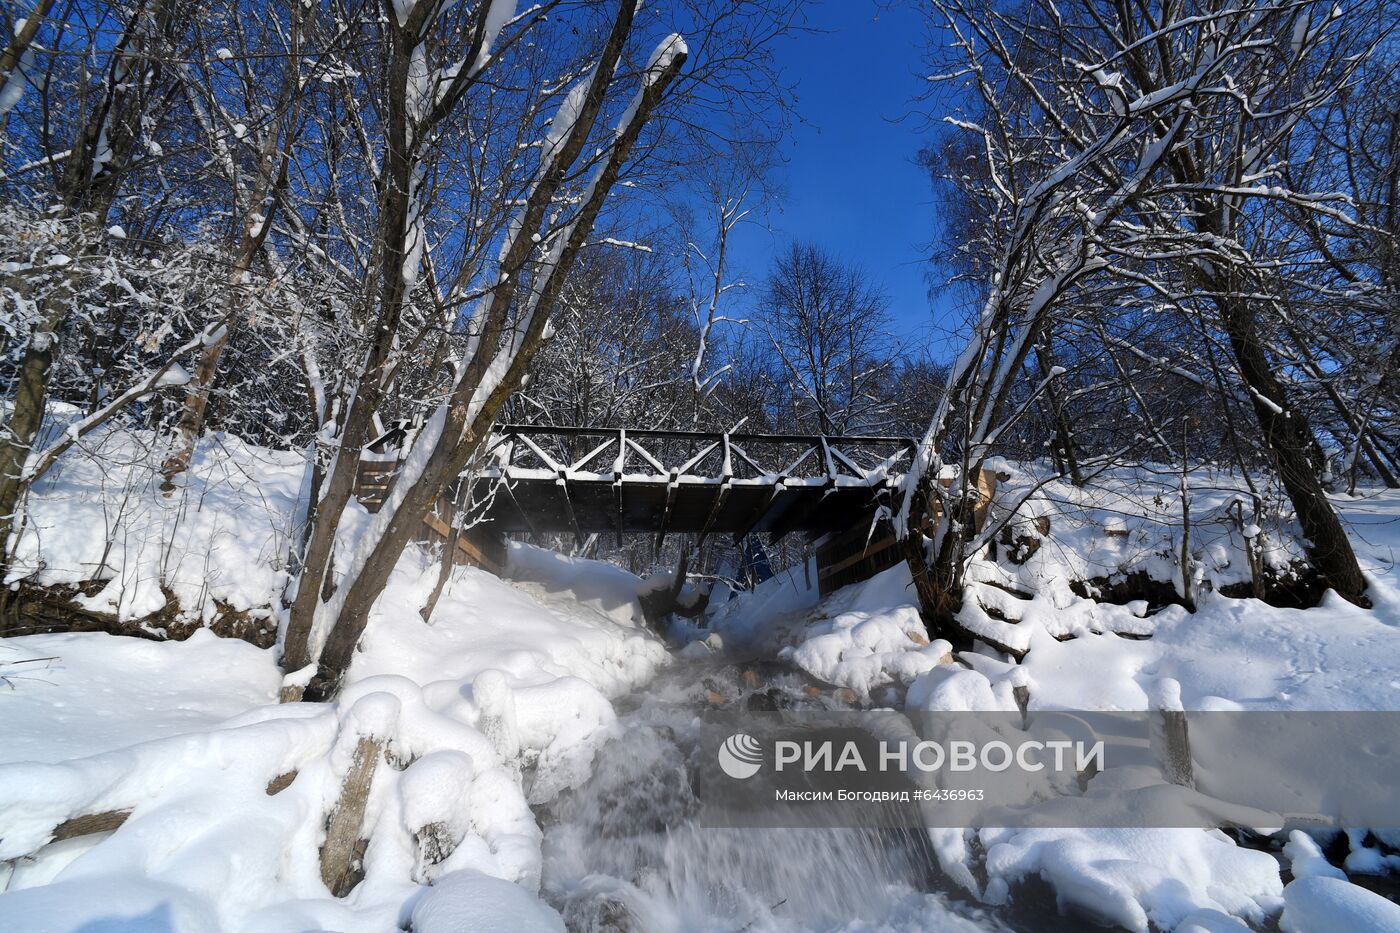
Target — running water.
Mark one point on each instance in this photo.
(627, 852)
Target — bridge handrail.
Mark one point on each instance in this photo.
(669, 434)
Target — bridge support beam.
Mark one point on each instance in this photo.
(666, 510)
(725, 483)
(761, 512)
(563, 483)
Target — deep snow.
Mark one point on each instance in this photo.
(504, 699)
(500, 702)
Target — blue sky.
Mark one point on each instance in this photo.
(851, 182)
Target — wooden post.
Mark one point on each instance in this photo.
(340, 854)
(1170, 739)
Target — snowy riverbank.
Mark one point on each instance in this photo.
(207, 802)
(499, 703)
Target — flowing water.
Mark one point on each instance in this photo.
(627, 852)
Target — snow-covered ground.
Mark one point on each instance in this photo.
(222, 537)
(503, 699)
(500, 702)
(1230, 654)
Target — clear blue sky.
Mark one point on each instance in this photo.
(851, 183)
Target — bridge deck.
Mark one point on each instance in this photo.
(583, 480)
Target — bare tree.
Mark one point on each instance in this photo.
(251, 120)
(505, 328)
(111, 118)
(830, 332)
(1122, 146)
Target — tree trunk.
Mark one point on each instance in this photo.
(479, 393)
(316, 580)
(25, 421)
(1064, 437)
(1290, 440)
(191, 421)
(935, 581)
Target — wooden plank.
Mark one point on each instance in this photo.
(875, 548)
(437, 524)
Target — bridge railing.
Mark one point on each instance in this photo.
(679, 456)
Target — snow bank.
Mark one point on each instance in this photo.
(502, 700)
(570, 624)
(1128, 520)
(469, 900)
(608, 589)
(1321, 898)
(221, 537)
(1322, 903)
(867, 635)
(100, 692)
(864, 636)
(1137, 877)
(755, 619)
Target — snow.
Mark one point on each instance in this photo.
(103, 692)
(1321, 903)
(501, 699)
(220, 539)
(1320, 896)
(469, 900)
(198, 736)
(174, 375)
(130, 905)
(565, 118)
(609, 590)
(1231, 653)
(1133, 877)
(13, 89)
(403, 9)
(866, 636)
(500, 13)
(1306, 859)
(862, 637)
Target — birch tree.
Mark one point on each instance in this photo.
(830, 332)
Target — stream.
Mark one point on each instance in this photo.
(628, 851)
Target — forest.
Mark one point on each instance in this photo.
(1148, 415)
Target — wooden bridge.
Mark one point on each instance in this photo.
(539, 480)
(587, 480)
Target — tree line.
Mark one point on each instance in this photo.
(1176, 225)
(1173, 223)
